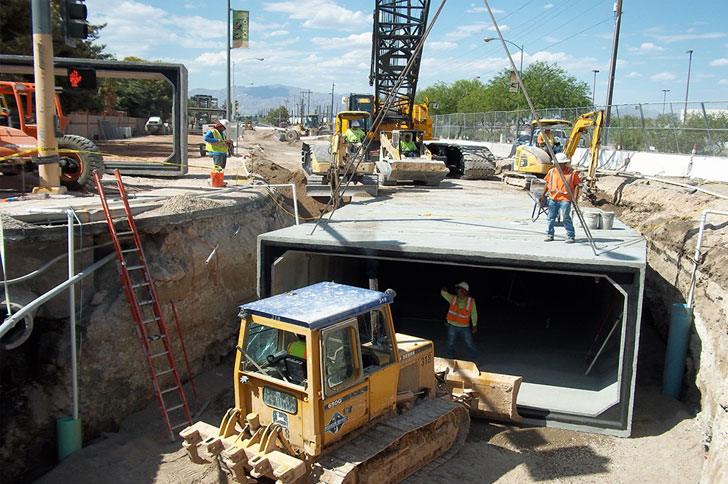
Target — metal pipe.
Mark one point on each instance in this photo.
(697, 253)
(72, 310)
(11, 321)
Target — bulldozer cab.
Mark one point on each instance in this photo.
(311, 121)
(408, 143)
(343, 372)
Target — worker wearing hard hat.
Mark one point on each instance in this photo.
(461, 319)
(298, 348)
(559, 200)
(354, 134)
(217, 144)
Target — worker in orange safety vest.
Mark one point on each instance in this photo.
(461, 314)
(559, 200)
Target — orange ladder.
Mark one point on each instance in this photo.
(145, 310)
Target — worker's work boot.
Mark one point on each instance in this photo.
(570, 240)
(550, 238)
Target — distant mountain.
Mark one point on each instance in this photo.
(259, 99)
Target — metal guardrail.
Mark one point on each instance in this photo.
(660, 127)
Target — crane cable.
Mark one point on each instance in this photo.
(376, 123)
(541, 127)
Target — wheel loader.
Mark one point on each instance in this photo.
(398, 164)
(79, 157)
(329, 164)
(327, 391)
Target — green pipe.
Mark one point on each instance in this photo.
(69, 436)
(677, 346)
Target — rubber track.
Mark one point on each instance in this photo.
(478, 163)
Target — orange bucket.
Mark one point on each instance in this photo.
(216, 178)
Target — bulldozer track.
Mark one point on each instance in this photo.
(416, 441)
(478, 163)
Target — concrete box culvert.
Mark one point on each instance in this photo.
(564, 319)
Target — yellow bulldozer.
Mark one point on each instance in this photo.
(327, 391)
(329, 164)
(531, 161)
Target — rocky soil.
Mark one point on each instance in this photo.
(671, 442)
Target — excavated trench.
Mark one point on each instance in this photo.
(114, 383)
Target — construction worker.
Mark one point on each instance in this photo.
(460, 315)
(559, 200)
(217, 144)
(540, 140)
(407, 146)
(298, 348)
(354, 134)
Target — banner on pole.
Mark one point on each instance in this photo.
(241, 29)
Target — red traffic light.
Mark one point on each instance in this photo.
(80, 78)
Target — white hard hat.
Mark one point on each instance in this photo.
(225, 123)
(355, 124)
(562, 158)
(464, 285)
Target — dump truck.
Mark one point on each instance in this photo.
(79, 157)
(329, 165)
(327, 391)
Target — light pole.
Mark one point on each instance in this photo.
(520, 70)
(687, 88)
(594, 89)
(664, 98)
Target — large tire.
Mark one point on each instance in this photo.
(306, 158)
(78, 167)
(291, 135)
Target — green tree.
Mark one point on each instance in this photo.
(548, 85)
(276, 115)
(141, 98)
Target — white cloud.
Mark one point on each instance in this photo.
(276, 33)
(663, 76)
(647, 48)
(723, 82)
(668, 39)
(484, 10)
(351, 41)
(503, 28)
(321, 14)
(465, 31)
(719, 62)
(551, 40)
(634, 74)
(441, 45)
(548, 5)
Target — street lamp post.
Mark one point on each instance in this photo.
(520, 70)
(687, 88)
(594, 89)
(664, 99)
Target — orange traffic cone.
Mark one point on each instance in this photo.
(695, 149)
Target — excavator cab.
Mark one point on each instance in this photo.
(530, 158)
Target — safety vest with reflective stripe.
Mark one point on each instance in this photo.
(557, 189)
(297, 348)
(219, 146)
(458, 316)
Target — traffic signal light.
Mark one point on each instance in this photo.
(81, 78)
(73, 17)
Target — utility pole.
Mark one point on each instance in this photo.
(612, 67)
(687, 88)
(45, 107)
(227, 42)
(331, 118)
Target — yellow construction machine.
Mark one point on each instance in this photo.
(531, 161)
(414, 163)
(330, 164)
(327, 391)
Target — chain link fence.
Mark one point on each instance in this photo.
(661, 127)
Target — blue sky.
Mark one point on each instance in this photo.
(312, 43)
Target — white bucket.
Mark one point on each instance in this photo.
(592, 219)
(607, 220)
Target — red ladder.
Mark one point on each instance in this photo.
(144, 307)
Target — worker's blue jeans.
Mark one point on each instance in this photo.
(565, 208)
(219, 160)
(460, 332)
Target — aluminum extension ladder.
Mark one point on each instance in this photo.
(145, 310)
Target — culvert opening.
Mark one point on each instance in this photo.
(563, 332)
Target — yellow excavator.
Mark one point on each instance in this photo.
(327, 391)
(532, 161)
